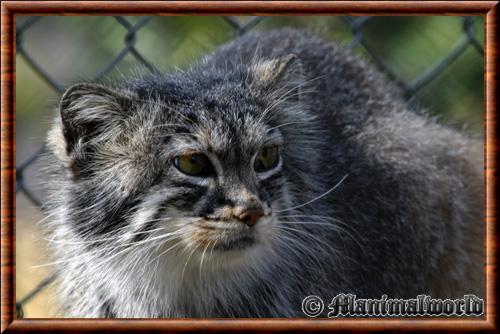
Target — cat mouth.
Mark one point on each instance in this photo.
(225, 238)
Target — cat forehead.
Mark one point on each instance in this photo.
(215, 117)
(226, 133)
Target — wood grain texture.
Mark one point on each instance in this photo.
(7, 170)
(490, 170)
(238, 325)
(253, 7)
(10, 9)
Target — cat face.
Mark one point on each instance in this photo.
(194, 165)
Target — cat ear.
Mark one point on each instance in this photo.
(283, 73)
(91, 110)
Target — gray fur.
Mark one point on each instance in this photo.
(369, 197)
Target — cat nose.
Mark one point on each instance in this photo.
(251, 216)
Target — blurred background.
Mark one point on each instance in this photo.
(437, 61)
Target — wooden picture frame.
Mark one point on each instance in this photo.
(11, 9)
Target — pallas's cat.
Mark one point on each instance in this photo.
(278, 167)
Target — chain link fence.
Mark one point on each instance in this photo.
(238, 26)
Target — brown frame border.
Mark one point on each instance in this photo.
(9, 9)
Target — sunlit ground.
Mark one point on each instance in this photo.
(30, 254)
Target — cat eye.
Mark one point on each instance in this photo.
(266, 159)
(195, 164)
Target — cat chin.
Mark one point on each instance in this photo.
(239, 261)
(244, 248)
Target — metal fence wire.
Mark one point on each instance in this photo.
(356, 26)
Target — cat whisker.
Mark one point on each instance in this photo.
(281, 125)
(305, 233)
(187, 261)
(329, 248)
(202, 257)
(332, 226)
(339, 224)
(292, 245)
(124, 247)
(96, 241)
(166, 251)
(107, 259)
(316, 198)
